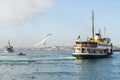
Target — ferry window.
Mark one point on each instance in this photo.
(78, 49)
(78, 43)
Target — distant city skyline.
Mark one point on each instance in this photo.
(26, 22)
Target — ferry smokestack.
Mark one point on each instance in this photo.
(92, 24)
(104, 32)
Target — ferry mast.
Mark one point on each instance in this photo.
(92, 25)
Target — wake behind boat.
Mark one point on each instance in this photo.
(95, 47)
(8, 47)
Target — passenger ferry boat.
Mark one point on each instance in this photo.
(8, 47)
(95, 47)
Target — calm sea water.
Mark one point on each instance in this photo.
(57, 65)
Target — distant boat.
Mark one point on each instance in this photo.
(21, 54)
(95, 47)
(8, 47)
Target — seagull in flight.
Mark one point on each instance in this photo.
(43, 40)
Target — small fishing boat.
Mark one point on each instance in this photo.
(21, 54)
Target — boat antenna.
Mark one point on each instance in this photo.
(99, 31)
(104, 32)
(92, 24)
(8, 42)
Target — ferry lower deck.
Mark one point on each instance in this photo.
(90, 56)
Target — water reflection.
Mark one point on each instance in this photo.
(91, 69)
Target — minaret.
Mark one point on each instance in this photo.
(92, 24)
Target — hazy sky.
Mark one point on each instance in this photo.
(25, 22)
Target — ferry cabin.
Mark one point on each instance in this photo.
(92, 48)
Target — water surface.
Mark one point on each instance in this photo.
(57, 65)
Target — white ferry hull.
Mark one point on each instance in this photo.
(5, 51)
(8, 50)
(90, 56)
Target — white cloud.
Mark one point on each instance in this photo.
(12, 11)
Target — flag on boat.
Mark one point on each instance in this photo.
(78, 37)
